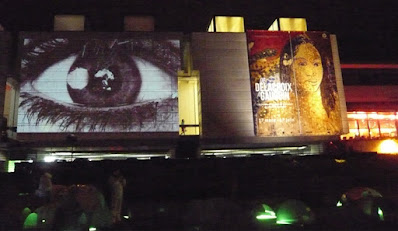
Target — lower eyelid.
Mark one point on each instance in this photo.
(84, 108)
(124, 117)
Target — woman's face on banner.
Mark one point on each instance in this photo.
(307, 67)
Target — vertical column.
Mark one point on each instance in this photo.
(5, 69)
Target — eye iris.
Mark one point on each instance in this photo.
(97, 85)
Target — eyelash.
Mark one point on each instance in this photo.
(161, 51)
(132, 117)
(118, 118)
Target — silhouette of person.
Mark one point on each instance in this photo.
(45, 187)
(117, 182)
(183, 127)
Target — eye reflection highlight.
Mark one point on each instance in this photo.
(93, 85)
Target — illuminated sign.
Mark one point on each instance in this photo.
(293, 84)
(98, 82)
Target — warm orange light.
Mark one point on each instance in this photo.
(371, 115)
(387, 129)
(350, 116)
(358, 115)
(388, 147)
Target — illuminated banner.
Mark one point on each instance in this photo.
(98, 82)
(293, 84)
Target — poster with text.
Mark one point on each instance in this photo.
(98, 82)
(293, 84)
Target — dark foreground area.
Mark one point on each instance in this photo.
(324, 192)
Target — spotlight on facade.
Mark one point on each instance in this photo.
(388, 147)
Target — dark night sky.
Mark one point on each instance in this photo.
(366, 31)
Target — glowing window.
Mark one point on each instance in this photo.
(274, 26)
(293, 24)
(69, 23)
(139, 23)
(371, 124)
(353, 125)
(387, 125)
(374, 128)
(289, 24)
(363, 128)
(189, 104)
(227, 24)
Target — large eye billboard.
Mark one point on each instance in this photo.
(293, 84)
(98, 82)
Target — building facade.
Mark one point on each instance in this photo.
(72, 94)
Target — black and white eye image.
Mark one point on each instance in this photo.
(75, 84)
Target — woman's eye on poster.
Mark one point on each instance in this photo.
(98, 85)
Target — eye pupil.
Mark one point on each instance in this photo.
(104, 84)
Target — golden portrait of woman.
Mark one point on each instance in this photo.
(312, 75)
